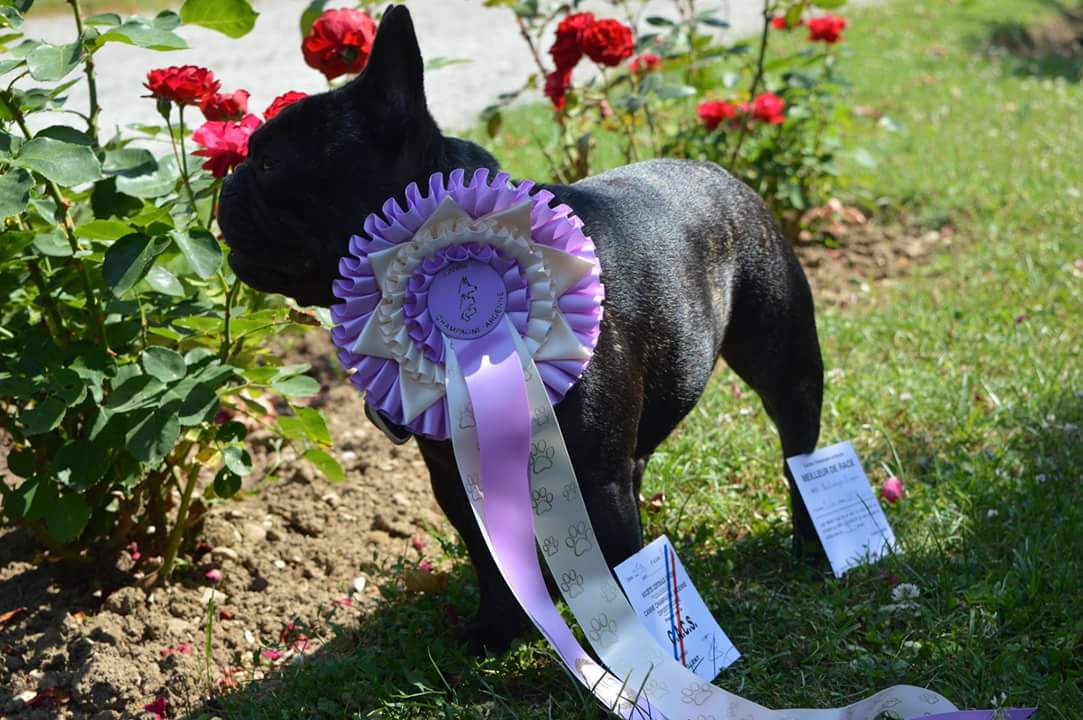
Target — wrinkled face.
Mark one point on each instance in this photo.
(317, 169)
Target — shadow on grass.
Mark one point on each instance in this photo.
(1052, 48)
(408, 656)
(998, 575)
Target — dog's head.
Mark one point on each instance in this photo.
(318, 168)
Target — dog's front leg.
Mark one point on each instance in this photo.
(499, 619)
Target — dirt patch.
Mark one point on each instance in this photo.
(294, 553)
(841, 269)
(1052, 47)
(85, 642)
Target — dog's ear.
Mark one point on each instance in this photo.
(392, 83)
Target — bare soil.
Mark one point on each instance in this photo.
(294, 553)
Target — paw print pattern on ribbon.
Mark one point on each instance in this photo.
(528, 372)
(930, 698)
(705, 717)
(541, 417)
(696, 694)
(578, 540)
(473, 482)
(466, 418)
(550, 546)
(655, 688)
(887, 704)
(541, 457)
(609, 593)
(571, 583)
(542, 501)
(603, 630)
(571, 491)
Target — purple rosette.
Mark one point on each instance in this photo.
(418, 343)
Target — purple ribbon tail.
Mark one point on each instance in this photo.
(1005, 714)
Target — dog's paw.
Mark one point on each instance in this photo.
(491, 636)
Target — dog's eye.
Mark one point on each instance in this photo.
(265, 164)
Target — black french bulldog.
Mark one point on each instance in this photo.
(693, 264)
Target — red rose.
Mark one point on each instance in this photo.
(768, 107)
(556, 86)
(225, 107)
(778, 22)
(645, 63)
(281, 102)
(339, 42)
(713, 112)
(184, 85)
(568, 46)
(225, 143)
(608, 42)
(826, 28)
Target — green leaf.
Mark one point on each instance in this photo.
(9, 145)
(64, 163)
(134, 392)
(237, 460)
(155, 433)
(48, 63)
(199, 323)
(292, 428)
(234, 18)
(315, 427)
(199, 402)
(163, 364)
(15, 188)
(296, 386)
(310, 14)
(137, 31)
(103, 230)
(128, 259)
(67, 517)
(67, 385)
(44, 416)
(226, 484)
(54, 243)
(81, 463)
(164, 281)
(442, 62)
(231, 431)
(106, 19)
(201, 250)
(10, 16)
(149, 180)
(10, 64)
(129, 162)
(659, 21)
(828, 4)
(326, 464)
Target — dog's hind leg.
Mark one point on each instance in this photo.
(771, 343)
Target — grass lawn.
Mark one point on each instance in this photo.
(964, 380)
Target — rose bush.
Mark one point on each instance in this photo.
(132, 361)
(678, 89)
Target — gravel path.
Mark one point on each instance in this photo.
(268, 62)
